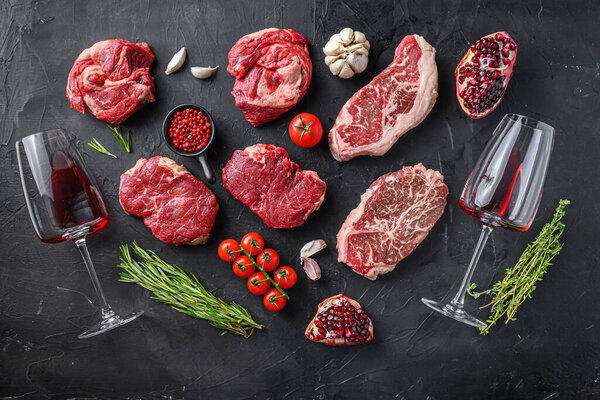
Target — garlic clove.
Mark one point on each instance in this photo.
(330, 59)
(333, 48)
(176, 62)
(336, 67)
(366, 45)
(358, 63)
(347, 35)
(203, 72)
(346, 71)
(311, 248)
(335, 38)
(312, 269)
(359, 37)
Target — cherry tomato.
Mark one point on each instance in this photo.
(253, 241)
(229, 250)
(273, 301)
(306, 130)
(268, 259)
(258, 283)
(243, 267)
(286, 277)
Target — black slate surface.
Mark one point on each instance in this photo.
(46, 298)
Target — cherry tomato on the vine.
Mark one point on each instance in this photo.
(274, 300)
(306, 130)
(243, 267)
(229, 250)
(258, 283)
(268, 259)
(252, 242)
(286, 277)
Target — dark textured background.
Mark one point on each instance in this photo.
(46, 298)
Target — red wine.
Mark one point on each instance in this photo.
(75, 201)
(500, 195)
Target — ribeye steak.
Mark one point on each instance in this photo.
(394, 102)
(273, 72)
(394, 215)
(265, 179)
(111, 80)
(175, 205)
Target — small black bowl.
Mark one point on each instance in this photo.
(209, 174)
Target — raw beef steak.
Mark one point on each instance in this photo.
(112, 80)
(394, 102)
(393, 217)
(175, 205)
(265, 179)
(273, 72)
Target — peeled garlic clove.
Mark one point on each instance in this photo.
(346, 72)
(311, 248)
(176, 62)
(347, 35)
(203, 72)
(358, 63)
(333, 48)
(312, 269)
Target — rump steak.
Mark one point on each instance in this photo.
(394, 102)
(175, 205)
(265, 179)
(111, 80)
(394, 215)
(273, 72)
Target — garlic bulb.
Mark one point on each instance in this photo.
(347, 53)
(176, 62)
(203, 72)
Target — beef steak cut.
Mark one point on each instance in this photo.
(394, 102)
(395, 214)
(175, 205)
(273, 72)
(111, 80)
(265, 179)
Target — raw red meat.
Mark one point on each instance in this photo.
(175, 205)
(265, 179)
(111, 80)
(395, 214)
(394, 102)
(273, 72)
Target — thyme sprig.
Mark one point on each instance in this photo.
(172, 286)
(520, 281)
(95, 144)
(118, 133)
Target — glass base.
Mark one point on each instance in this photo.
(111, 322)
(454, 312)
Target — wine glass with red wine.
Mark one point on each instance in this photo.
(504, 189)
(65, 203)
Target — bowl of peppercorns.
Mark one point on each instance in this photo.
(189, 131)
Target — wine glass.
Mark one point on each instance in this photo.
(504, 189)
(64, 203)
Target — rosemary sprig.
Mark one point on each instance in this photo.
(118, 133)
(172, 286)
(519, 282)
(95, 144)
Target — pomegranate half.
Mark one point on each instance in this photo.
(483, 74)
(340, 321)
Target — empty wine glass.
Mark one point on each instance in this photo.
(64, 203)
(504, 189)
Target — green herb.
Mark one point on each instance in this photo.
(519, 282)
(95, 144)
(118, 133)
(172, 286)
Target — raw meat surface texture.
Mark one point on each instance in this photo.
(394, 102)
(111, 80)
(265, 179)
(273, 72)
(175, 205)
(395, 214)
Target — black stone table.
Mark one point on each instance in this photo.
(551, 351)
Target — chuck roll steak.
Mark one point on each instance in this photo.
(395, 214)
(175, 205)
(394, 102)
(265, 179)
(111, 80)
(273, 72)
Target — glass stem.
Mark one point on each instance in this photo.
(107, 312)
(459, 299)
